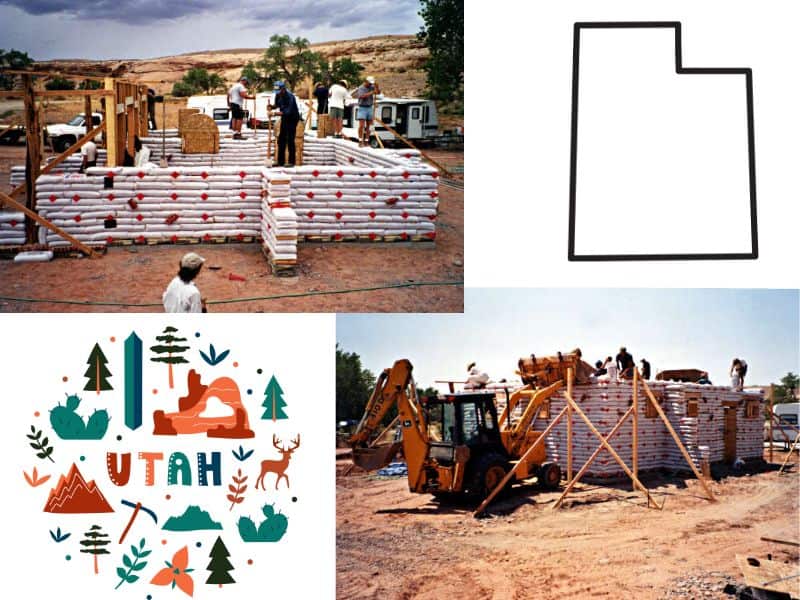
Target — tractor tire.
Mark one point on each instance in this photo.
(488, 471)
(60, 144)
(550, 476)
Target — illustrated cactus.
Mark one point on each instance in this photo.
(270, 530)
(68, 425)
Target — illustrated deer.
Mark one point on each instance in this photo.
(278, 466)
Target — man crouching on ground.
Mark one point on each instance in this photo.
(182, 295)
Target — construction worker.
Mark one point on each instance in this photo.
(477, 378)
(321, 94)
(737, 373)
(286, 106)
(366, 108)
(88, 155)
(611, 369)
(236, 97)
(645, 369)
(625, 363)
(151, 108)
(182, 295)
(600, 368)
(337, 103)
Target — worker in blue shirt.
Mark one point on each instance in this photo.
(286, 107)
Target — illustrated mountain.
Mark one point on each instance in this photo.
(73, 495)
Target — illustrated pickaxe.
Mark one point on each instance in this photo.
(136, 508)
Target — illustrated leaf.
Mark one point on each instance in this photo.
(205, 358)
(243, 479)
(41, 455)
(213, 353)
(44, 442)
(65, 536)
(127, 561)
(242, 489)
(231, 497)
(33, 429)
(54, 536)
(30, 483)
(239, 500)
(121, 572)
(141, 543)
(132, 578)
(248, 454)
(145, 554)
(139, 566)
(34, 445)
(30, 437)
(222, 356)
(232, 488)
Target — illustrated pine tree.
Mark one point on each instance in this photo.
(219, 565)
(94, 541)
(97, 373)
(171, 349)
(273, 401)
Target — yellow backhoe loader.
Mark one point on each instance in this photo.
(457, 443)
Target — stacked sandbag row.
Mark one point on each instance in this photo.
(246, 153)
(71, 164)
(126, 204)
(12, 228)
(367, 203)
(279, 221)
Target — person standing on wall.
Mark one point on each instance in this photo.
(645, 369)
(337, 103)
(366, 108)
(625, 363)
(321, 94)
(236, 97)
(738, 371)
(286, 106)
(151, 109)
(182, 295)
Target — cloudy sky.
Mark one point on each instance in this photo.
(49, 29)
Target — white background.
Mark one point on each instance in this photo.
(298, 349)
(518, 96)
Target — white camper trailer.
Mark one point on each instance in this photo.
(217, 108)
(413, 118)
(788, 416)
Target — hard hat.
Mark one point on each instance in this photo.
(371, 79)
(192, 260)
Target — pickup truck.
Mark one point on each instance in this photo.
(63, 135)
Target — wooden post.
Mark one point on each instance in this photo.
(87, 110)
(112, 155)
(570, 377)
(635, 437)
(539, 441)
(789, 455)
(144, 111)
(33, 155)
(637, 484)
(589, 462)
(769, 427)
(675, 437)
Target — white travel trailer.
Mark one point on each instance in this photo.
(788, 415)
(413, 118)
(216, 107)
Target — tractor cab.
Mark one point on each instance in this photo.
(464, 420)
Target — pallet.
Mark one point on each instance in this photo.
(279, 268)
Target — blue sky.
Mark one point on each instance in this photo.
(671, 328)
(108, 29)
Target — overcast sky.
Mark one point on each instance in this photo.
(49, 29)
(673, 329)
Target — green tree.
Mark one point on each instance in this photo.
(290, 60)
(94, 542)
(428, 392)
(13, 59)
(255, 80)
(59, 83)
(169, 347)
(203, 81)
(273, 401)
(785, 391)
(97, 374)
(443, 34)
(181, 89)
(219, 565)
(347, 69)
(354, 384)
(90, 84)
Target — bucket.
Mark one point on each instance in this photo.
(375, 457)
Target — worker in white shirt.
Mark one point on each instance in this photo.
(236, 97)
(88, 155)
(337, 103)
(182, 295)
(141, 158)
(477, 378)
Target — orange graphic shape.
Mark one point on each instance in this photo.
(189, 419)
(73, 495)
(33, 479)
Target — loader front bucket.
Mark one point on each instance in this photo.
(377, 456)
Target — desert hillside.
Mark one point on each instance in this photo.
(396, 60)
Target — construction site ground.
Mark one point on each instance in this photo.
(129, 275)
(604, 543)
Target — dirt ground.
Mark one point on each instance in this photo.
(605, 543)
(139, 274)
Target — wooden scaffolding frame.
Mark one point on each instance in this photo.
(573, 408)
(125, 118)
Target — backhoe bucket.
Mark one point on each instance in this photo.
(375, 457)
